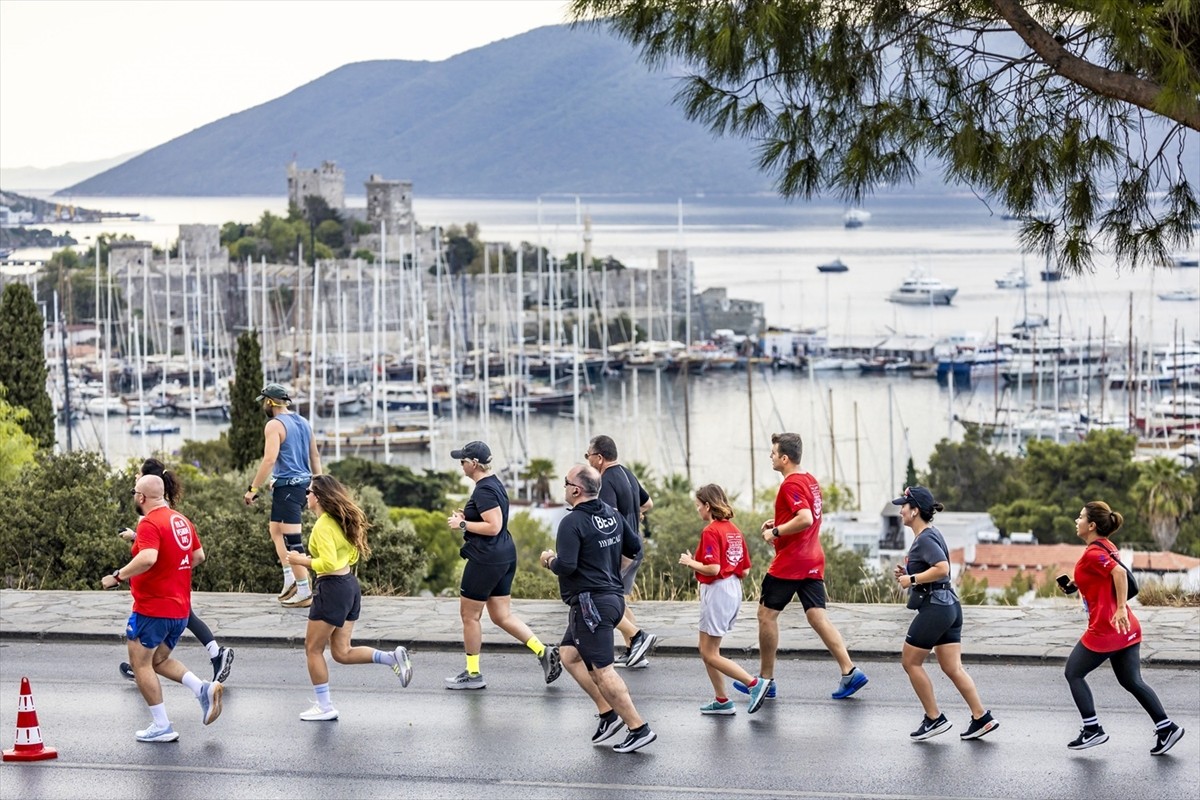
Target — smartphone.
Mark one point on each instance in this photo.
(1066, 585)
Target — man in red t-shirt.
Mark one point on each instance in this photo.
(798, 569)
(160, 580)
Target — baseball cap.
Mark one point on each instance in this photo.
(477, 451)
(273, 391)
(918, 496)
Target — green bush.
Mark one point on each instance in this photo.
(437, 543)
(532, 537)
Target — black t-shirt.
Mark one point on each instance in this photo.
(621, 490)
(927, 549)
(489, 493)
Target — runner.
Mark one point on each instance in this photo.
(621, 490)
(1113, 633)
(290, 459)
(720, 562)
(160, 581)
(221, 657)
(491, 565)
(798, 569)
(591, 540)
(338, 541)
(938, 625)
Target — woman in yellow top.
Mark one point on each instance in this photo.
(338, 540)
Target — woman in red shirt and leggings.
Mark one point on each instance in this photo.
(1113, 633)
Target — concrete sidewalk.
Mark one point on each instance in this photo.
(1041, 634)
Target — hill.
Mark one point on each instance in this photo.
(552, 110)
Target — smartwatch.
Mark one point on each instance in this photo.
(462, 525)
(774, 533)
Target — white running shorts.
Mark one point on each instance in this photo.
(720, 602)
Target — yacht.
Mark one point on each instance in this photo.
(855, 218)
(837, 265)
(923, 290)
(1013, 279)
(1183, 295)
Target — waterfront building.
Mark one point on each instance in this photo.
(327, 182)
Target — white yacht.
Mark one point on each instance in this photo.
(920, 289)
(1013, 279)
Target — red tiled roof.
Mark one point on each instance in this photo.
(1027, 556)
(1001, 578)
(1164, 561)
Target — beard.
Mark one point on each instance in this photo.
(138, 508)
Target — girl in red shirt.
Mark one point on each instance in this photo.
(1113, 632)
(720, 562)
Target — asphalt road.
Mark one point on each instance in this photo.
(521, 739)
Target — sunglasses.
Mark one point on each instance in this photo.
(576, 485)
(308, 491)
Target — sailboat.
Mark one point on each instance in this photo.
(855, 218)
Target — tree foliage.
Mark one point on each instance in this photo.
(1165, 494)
(400, 486)
(17, 447)
(967, 476)
(23, 364)
(1075, 118)
(245, 415)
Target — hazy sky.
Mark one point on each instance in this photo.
(81, 81)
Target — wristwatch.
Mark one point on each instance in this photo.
(462, 525)
(774, 533)
(116, 573)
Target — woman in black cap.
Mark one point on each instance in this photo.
(491, 565)
(926, 574)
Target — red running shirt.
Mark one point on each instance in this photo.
(798, 555)
(166, 589)
(1093, 576)
(722, 543)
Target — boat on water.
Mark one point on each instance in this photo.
(855, 218)
(919, 289)
(374, 438)
(1175, 364)
(152, 427)
(1180, 295)
(1051, 275)
(837, 265)
(1013, 279)
(1185, 261)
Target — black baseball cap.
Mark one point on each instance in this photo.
(275, 392)
(477, 451)
(918, 496)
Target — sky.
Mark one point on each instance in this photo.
(83, 81)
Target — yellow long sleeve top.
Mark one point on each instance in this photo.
(329, 547)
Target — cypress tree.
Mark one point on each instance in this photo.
(23, 364)
(246, 428)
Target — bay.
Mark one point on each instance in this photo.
(762, 249)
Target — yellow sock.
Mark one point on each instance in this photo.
(535, 644)
(473, 663)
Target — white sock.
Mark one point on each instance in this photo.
(381, 657)
(192, 682)
(159, 714)
(302, 589)
(289, 577)
(213, 649)
(321, 691)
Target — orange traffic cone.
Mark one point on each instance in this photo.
(28, 746)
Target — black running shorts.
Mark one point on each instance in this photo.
(595, 647)
(337, 599)
(483, 581)
(778, 592)
(935, 625)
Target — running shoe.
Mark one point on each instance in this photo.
(210, 701)
(636, 740)
(157, 734)
(640, 646)
(222, 664)
(980, 727)
(645, 662)
(126, 670)
(930, 728)
(551, 663)
(758, 693)
(318, 714)
(296, 601)
(1088, 737)
(403, 666)
(287, 592)
(466, 680)
(744, 689)
(850, 684)
(718, 709)
(608, 728)
(1166, 738)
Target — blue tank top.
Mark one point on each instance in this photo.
(293, 466)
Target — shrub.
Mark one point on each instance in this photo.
(1157, 593)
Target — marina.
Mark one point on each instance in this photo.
(702, 407)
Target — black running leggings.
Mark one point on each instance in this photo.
(199, 629)
(1126, 665)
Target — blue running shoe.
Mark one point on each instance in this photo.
(758, 693)
(744, 689)
(850, 684)
(717, 708)
(210, 701)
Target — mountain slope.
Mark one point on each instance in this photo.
(552, 110)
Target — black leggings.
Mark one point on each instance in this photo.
(199, 629)
(1126, 665)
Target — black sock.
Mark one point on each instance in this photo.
(640, 729)
(609, 716)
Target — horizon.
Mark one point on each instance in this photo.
(127, 89)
